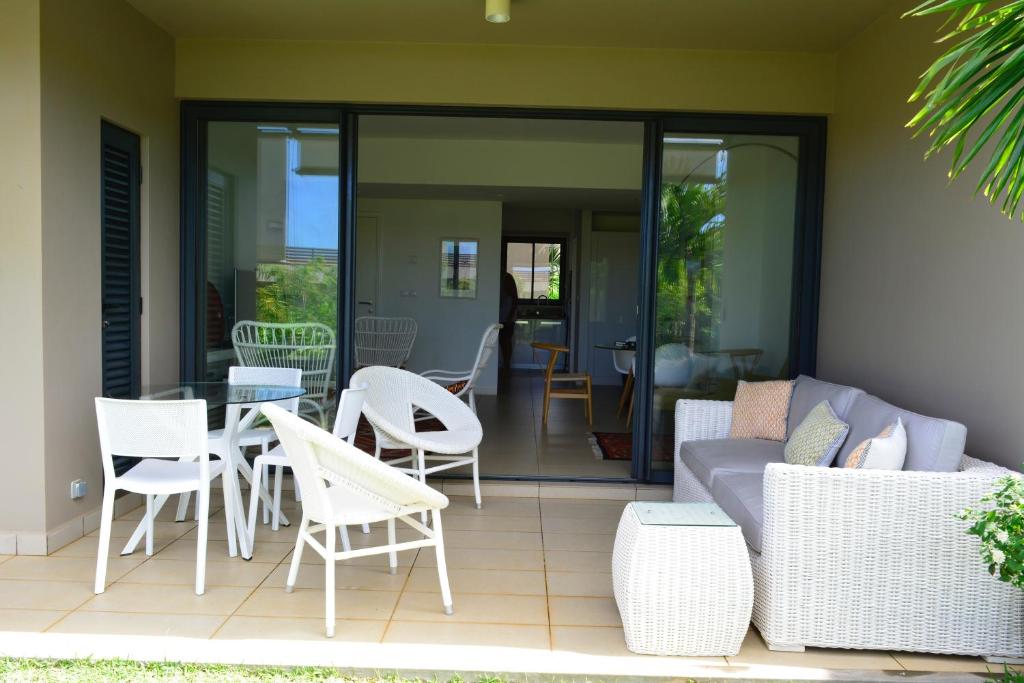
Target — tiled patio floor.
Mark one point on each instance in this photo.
(530, 577)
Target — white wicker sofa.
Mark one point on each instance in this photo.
(863, 559)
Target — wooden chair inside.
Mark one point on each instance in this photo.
(579, 386)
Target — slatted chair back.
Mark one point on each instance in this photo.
(281, 377)
(309, 347)
(383, 341)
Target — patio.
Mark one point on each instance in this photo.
(530, 576)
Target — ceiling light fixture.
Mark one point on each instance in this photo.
(497, 11)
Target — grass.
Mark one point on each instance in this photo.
(94, 670)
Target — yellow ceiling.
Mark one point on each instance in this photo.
(775, 25)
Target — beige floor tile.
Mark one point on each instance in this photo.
(217, 551)
(54, 568)
(241, 627)
(580, 525)
(616, 492)
(600, 543)
(605, 640)
(345, 576)
(490, 523)
(4, 558)
(149, 624)
(89, 546)
(654, 493)
(474, 608)
(466, 558)
(44, 595)
(944, 663)
(754, 651)
(28, 620)
(503, 507)
(162, 531)
(533, 637)
(580, 584)
(305, 602)
(497, 540)
(167, 599)
(264, 533)
(591, 509)
(183, 572)
(573, 561)
(504, 581)
(168, 512)
(490, 490)
(583, 611)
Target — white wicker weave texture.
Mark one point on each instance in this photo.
(681, 590)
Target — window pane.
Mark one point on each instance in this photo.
(547, 270)
(272, 229)
(519, 262)
(724, 271)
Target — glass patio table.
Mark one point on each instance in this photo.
(241, 403)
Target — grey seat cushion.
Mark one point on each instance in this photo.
(707, 459)
(809, 392)
(741, 496)
(933, 444)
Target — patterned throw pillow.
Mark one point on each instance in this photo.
(818, 438)
(760, 409)
(887, 451)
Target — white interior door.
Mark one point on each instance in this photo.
(367, 266)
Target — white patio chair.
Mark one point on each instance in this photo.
(346, 424)
(392, 398)
(462, 383)
(361, 491)
(254, 436)
(383, 341)
(309, 347)
(170, 437)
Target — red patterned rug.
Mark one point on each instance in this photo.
(366, 442)
(619, 446)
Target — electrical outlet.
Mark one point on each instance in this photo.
(79, 487)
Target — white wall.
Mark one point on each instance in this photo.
(409, 234)
(921, 283)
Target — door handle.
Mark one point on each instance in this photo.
(366, 303)
(106, 324)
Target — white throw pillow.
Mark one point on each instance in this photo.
(887, 451)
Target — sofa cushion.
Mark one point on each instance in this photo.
(741, 496)
(809, 392)
(933, 444)
(706, 459)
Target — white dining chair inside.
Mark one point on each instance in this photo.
(308, 346)
(170, 438)
(383, 341)
(253, 436)
(346, 424)
(394, 396)
(343, 487)
(463, 383)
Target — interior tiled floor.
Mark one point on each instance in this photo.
(530, 576)
(517, 443)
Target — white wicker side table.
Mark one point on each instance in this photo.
(682, 579)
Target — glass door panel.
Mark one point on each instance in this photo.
(723, 307)
(271, 210)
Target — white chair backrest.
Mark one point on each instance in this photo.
(151, 429)
(281, 377)
(350, 409)
(383, 341)
(393, 396)
(622, 359)
(483, 356)
(309, 347)
(316, 455)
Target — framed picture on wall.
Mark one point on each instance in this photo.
(459, 264)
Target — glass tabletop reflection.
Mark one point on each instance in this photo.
(220, 393)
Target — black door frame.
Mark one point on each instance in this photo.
(811, 131)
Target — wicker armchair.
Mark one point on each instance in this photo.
(867, 559)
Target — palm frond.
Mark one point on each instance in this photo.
(973, 94)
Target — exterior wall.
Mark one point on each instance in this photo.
(21, 272)
(920, 296)
(680, 80)
(99, 59)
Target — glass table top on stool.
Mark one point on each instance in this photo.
(220, 393)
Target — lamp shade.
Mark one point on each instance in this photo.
(497, 11)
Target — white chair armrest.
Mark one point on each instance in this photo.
(701, 420)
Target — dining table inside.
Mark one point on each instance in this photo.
(241, 406)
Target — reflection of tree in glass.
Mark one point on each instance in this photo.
(690, 263)
(302, 292)
(554, 271)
